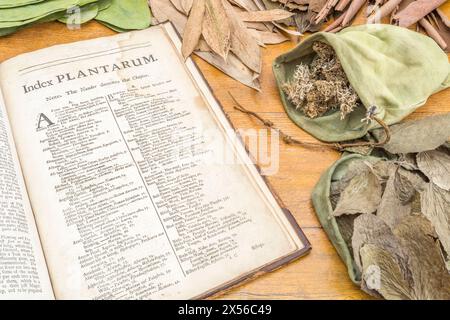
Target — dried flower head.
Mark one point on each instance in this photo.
(321, 86)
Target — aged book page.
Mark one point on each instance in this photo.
(23, 272)
(126, 156)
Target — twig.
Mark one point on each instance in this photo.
(335, 146)
(336, 23)
(325, 11)
(352, 11)
(433, 33)
(384, 10)
(342, 5)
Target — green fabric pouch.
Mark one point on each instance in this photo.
(324, 210)
(389, 67)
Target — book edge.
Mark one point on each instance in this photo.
(290, 217)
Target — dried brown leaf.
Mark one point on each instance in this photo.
(346, 225)
(267, 37)
(435, 164)
(216, 28)
(248, 5)
(436, 207)
(370, 229)
(193, 30)
(187, 5)
(164, 10)
(430, 276)
(361, 195)
(381, 273)
(266, 15)
(243, 44)
(392, 209)
(408, 161)
(234, 68)
(417, 136)
(177, 5)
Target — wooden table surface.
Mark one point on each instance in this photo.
(321, 274)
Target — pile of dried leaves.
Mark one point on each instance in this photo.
(432, 16)
(394, 213)
(321, 86)
(228, 34)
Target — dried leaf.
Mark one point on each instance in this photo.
(183, 6)
(267, 15)
(436, 207)
(417, 136)
(243, 45)
(408, 161)
(267, 37)
(177, 4)
(435, 164)
(164, 10)
(233, 67)
(384, 169)
(216, 28)
(187, 5)
(346, 225)
(381, 273)
(396, 203)
(248, 5)
(407, 184)
(370, 229)
(193, 30)
(430, 276)
(362, 195)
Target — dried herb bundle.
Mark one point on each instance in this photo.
(394, 214)
(321, 86)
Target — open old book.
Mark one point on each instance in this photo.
(110, 187)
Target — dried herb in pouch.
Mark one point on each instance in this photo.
(389, 67)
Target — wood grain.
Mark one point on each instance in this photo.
(321, 274)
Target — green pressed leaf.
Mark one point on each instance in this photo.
(104, 4)
(52, 17)
(15, 17)
(17, 3)
(86, 13)
(114, 28)
(126, 15)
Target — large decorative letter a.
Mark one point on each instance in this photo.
(44, 122)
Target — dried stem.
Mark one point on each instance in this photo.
(325, 11)
(352, 11)
(433, 33)
(342, 5)
(335, 146)
(384, 11)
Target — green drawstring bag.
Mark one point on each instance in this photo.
(324, 210)
(389, 67)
